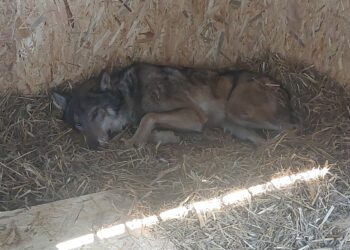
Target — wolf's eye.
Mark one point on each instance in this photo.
(94, 114)
(77, 123)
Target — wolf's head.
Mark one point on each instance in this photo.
(96, 114)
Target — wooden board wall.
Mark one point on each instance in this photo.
(46, 42)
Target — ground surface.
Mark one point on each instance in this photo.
(42, 160)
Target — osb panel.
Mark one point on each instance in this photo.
(7, 44)
(45, 42)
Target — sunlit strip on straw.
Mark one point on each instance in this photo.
(76, 242)
(235, 197)
(111, 231)
(140, 223)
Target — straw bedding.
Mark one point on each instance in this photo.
(42, 160)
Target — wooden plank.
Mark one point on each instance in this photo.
(44, 226)
(144, 241)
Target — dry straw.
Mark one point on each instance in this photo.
(42, 160)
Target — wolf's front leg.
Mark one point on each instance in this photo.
(182, 119)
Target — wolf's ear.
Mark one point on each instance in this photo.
(59, 100)
(105, 83)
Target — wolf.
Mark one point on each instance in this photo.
(158, 97)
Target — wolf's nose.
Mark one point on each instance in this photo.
(92, 143)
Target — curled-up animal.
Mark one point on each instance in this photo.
(155, 97)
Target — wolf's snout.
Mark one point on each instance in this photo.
(92, 143)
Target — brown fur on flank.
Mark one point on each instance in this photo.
(155, 97)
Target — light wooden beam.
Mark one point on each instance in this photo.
(45, 226)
